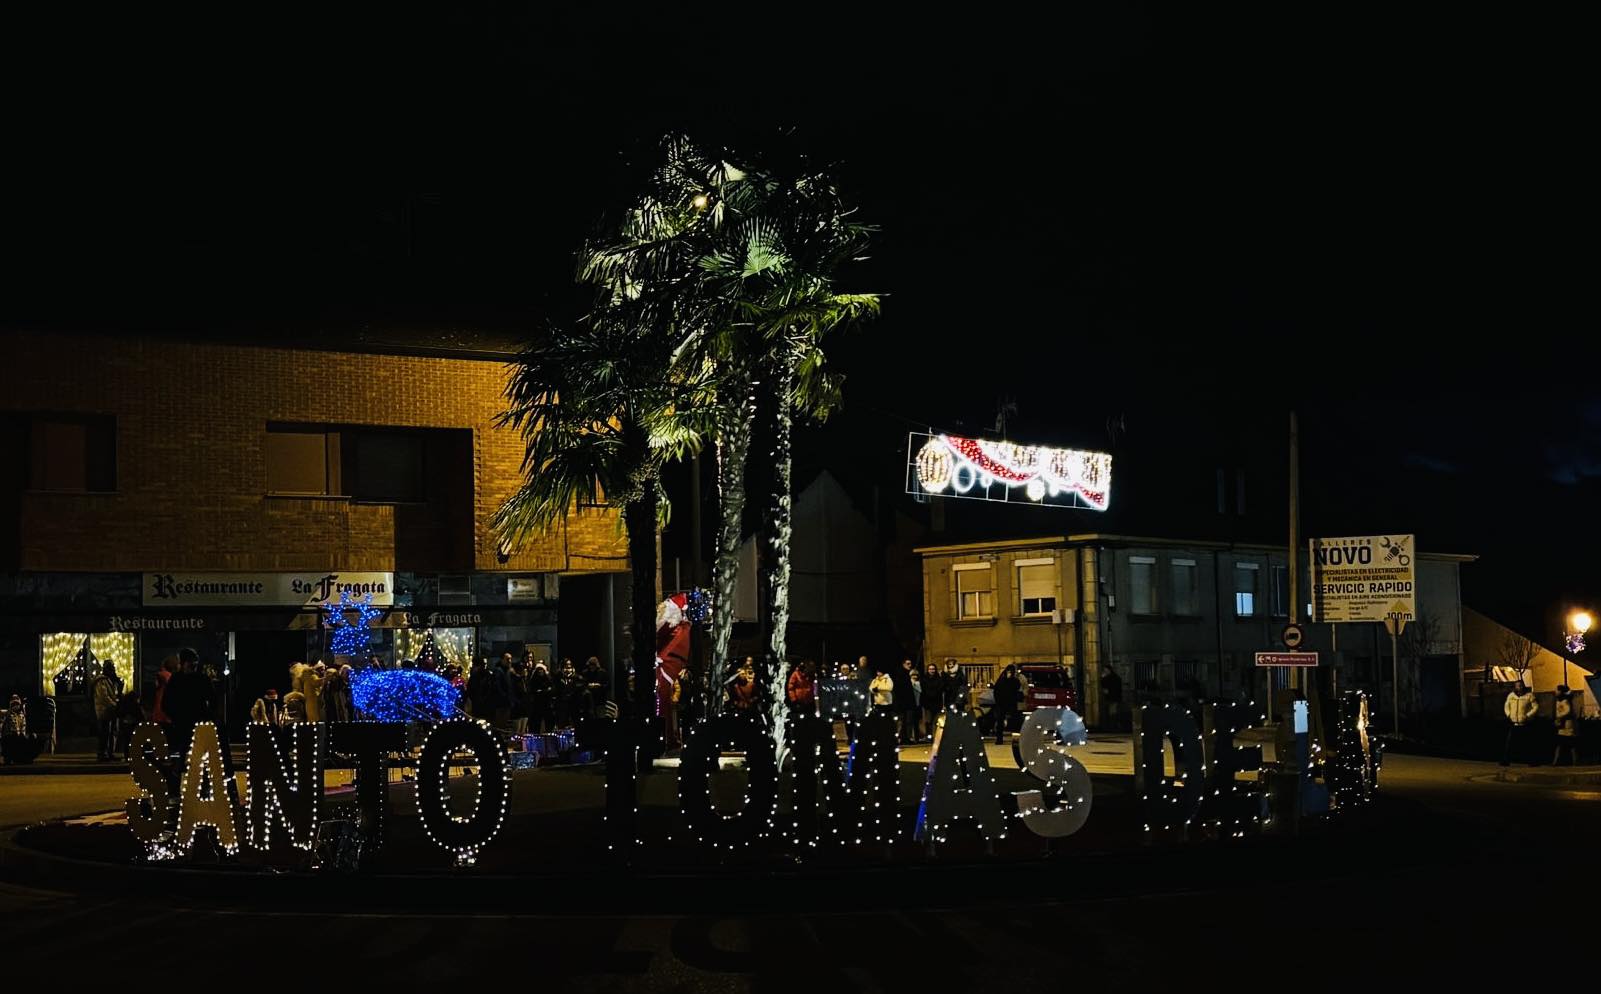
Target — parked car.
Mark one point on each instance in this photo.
(1049, 685)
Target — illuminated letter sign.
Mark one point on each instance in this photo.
(1064, 776)
(463, 836)
(285, 789)
(208, 792)
(959, 783)
(696, 765)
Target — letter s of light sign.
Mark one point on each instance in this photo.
(1063, 775)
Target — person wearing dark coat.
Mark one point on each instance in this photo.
(954, 686)
(478, 691)
(595, 685)
(188, 701)
(1008, 689)
(906, 705)
(541, 699)
(933, 697)
(502, 696)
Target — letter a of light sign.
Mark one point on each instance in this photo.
(952, 466)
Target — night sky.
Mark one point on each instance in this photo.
(1149, 232)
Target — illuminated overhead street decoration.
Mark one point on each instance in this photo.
(953, 466)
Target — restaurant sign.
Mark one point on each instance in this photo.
(310, 589)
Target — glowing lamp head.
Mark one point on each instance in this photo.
(699, 202)
(1580, 621)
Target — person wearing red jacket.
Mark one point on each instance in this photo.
(158, 711)
(802, 689)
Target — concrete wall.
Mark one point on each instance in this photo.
(1004, 637)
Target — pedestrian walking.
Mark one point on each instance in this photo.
(1567, 727)
(1520, 708)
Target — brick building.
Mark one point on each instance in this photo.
(167, 492)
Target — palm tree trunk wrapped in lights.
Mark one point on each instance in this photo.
(735, 419)
(776, 537)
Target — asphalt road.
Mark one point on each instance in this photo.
(1433, 903)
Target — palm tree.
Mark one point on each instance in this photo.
(774, 264)
(602, 405)
(742, 261)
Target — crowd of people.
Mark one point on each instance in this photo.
(516, 696)
(913, 694)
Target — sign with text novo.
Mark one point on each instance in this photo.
(312, 589)
(1365, 578)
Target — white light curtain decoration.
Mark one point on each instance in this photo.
(455, 643)
(117, 647)
(58, 650)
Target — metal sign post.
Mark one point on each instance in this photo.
(1395, 624)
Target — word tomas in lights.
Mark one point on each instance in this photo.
(953, 466)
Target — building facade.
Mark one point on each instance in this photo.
(167, 492)
(1143, 618)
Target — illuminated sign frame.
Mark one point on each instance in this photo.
(981, 469)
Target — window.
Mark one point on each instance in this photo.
(1185, 601)
(1281, 591)
(1142, 584)
(1147, 675)
(1245, 589)
(302, 462)
(1189, 675)
(374, 465)
(387, 467)
(975, 591)
(72, 453)
(1036, 586)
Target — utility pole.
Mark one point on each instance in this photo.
(1295, 530)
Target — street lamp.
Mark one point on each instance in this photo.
(1579, 623)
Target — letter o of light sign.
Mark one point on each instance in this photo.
(462, 836)
(699, 760)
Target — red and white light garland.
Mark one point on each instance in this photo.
(950, 463)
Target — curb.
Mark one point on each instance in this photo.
(61, 769)
(615, 890)
(1573, 778)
